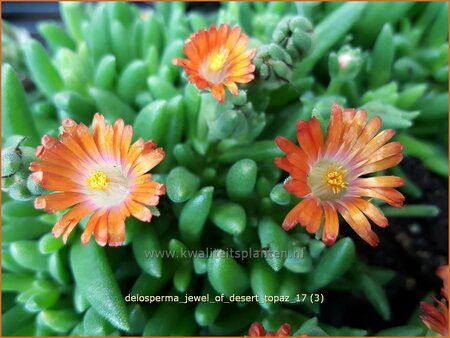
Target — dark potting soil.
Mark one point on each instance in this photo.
(412, 247)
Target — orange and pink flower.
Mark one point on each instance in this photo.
(99, 174)
(329, 174)
(258, 330)
(436, 317)
(216, 58)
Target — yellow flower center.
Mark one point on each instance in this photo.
(336, 180)
(218, 60)
(98, 180)
(328, 180)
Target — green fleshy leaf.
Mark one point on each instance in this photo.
(264, 282)
(137, 317)
(27, 254)
(382, 58)
(274, 242)
(311, 328)
(241, 179)
(376, 296)
(132, 80)
(73, 15)
(142, 244)
(55, 36)
(23, 228)
(228, 216)
(225, 274)
(160, 88)
(57, 269)
(181, 184)
(16, 115)
(80, 303)
(105, 74)
(44, 73)
(16, 282)
(152, 122)
(327, 32)
(206, 312)
(257, 151)
(95, 324)
(49, 243)
(122, 46)
(163, 321)
(406, 330)
(111, 106)
(60, 321)
(14, 318)
(332, 264)
(194, 214)
(76, 106)
(97, 284)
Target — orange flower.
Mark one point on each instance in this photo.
(218, 57)
(328, 174)
(98, 174)
(436, 318)
(257, 330)
(442, 273)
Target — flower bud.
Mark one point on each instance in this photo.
(346, 63)
(281, 70)
(302, 40)
(33, 187)
(21, 175)
(264, 72)
(28, 155)
(7, 182)
(274, 65)
(20, 192)
(302, 23)
(295, 34)
(278, 36)
(240, 99)
(11, 161)
(291, 48)
(278, 53)
(350, 61)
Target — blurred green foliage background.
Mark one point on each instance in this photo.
(223, 188)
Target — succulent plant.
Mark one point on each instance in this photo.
(223, 190)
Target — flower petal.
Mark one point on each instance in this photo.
(356, 219)
(139, 211)
(389, 195)
(101, 230)
(218, 92)
(371, 211)
(90, 226)
(292, 218)
(148, 162)
(331, 225)
(379, 182)
(58, 201)
(71, 218)
(116, 227)
(297, 187)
